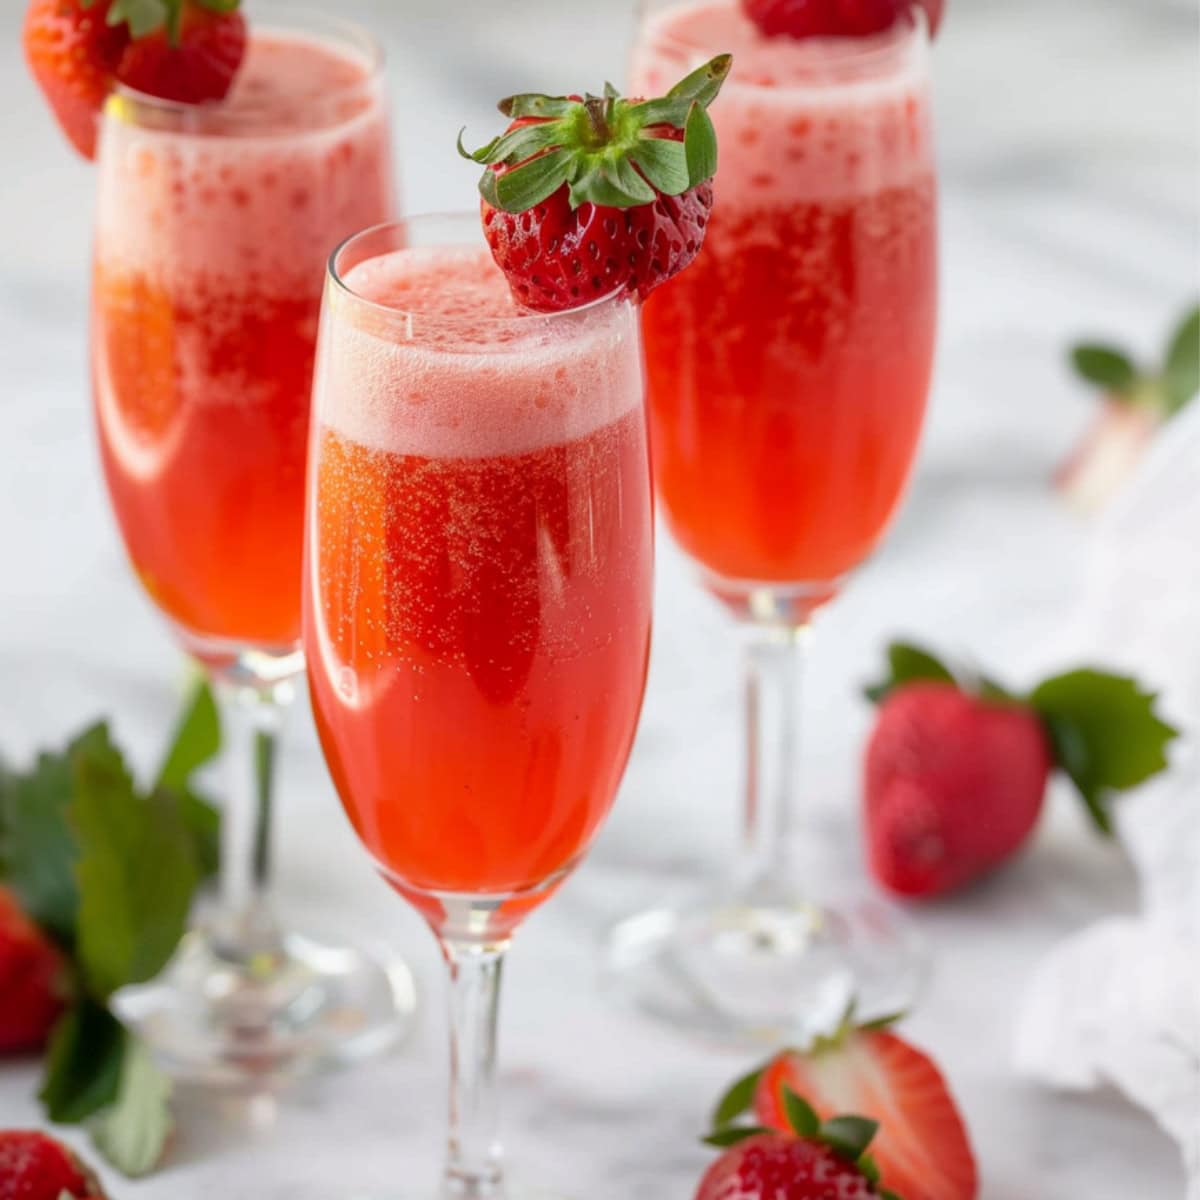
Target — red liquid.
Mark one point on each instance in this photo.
(788, 368)
(210, 253)
(477, 625)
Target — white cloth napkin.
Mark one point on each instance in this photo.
(1119, 1002)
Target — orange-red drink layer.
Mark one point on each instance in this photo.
(212, 235)
(788, 367)
(477, 616)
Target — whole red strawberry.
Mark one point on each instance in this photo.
(922, 1148)
(836, 18)
(72, 53)
(36, 1167)
(190, 59)
(32, 974)
(586, 197)
(805, 1159)
(955, 774)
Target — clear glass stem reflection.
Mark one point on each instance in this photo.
(774, 659)
(251, 722)
(473, 1166)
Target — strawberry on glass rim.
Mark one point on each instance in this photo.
(79, 50)
(587, 197)
(837, 18)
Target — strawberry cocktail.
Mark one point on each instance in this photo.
(479, 530)
(787, 375)
(232, 156)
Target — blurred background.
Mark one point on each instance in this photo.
(1069, 149)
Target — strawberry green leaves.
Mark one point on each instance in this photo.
(110, 871)
(607, 150)
(146, 16)
(1105, 366)
(907, 664)
(1166, 388)
(1105, 733)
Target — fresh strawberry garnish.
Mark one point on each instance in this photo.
(72, 52)
(192, 57)
(1138, 401)
(590, 196)
(804, 1159)
(956, 772)
(836, 18)
(922, 1149)
(186, 50)
(34, 1166)
(32, 978)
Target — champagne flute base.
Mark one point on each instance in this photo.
(765, 968)
(296, 1008)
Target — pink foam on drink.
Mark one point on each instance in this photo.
(447, 365)
(815, 119)
(253, 191)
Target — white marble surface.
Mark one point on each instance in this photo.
(1069, 151)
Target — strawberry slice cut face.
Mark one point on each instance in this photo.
(922, 1148)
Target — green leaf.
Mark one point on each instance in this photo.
(203, 822)
(801, 1115)
(615, 185)
(37, 846)
(83, 1063)
(132, 1132)
(137, 874)
(664, 110)
(737, 1099)
(196, 741)
(700, 145)
(732, 1134)
(1182, 372)
(869, 1167)
(848, 1136)
(1105, 733)
(516, 191)
(1105, 366)
(703, 84)
(534, 104)
(142, 16)
(884, 1022)
(908, 664)
(664, 163)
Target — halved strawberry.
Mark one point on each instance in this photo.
(922, 1148)
(590, 196)
(192, 57)
(72, 52)
(836, 18)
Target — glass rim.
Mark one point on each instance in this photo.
(277, 18)
(849, 55)
(528, 318)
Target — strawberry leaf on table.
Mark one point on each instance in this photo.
(110, 872)
(1182, 371)
(137, 874)
(1105, 366)
(1105, 732)
(83, 1065)
(37, 849)
(906, 664)
(133, 1129)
